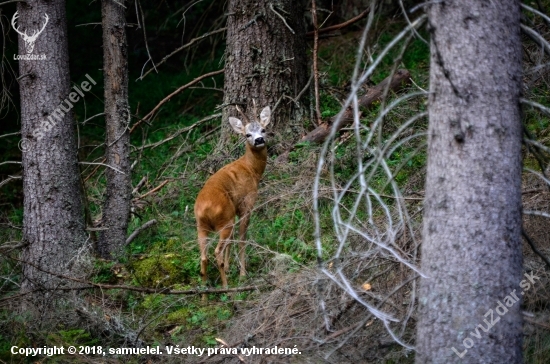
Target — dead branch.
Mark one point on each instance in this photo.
(530, 320)
(10, 178)
(167, 98)
(187, 45)
(181, 131)
(94, 171)
(10, 134)
(12, 245)
(139, 230)
(139, 185)
(341, 25)
(13, 1)
(319, 134)
(109, 323)
(374, 94)
(145, 35)
(154, 189)
(315, 66)
(534, 248)
(166, 291)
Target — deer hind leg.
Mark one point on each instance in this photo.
(225, 234)
(243, 226)
(203, 246)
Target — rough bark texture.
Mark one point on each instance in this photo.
(53, 219)
(265, 61)
(471, 250)
(116, 209)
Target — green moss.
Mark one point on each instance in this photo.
(161, 270)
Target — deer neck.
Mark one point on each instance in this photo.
(256, 158)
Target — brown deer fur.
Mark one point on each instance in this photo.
(232, 192)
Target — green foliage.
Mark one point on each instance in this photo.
(162, 270)
(536, 347)
(71, 337)
(103, 272)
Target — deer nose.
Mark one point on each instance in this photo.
(259, 141)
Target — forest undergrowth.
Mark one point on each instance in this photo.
(286, 300)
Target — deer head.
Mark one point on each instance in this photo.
(254, 131)
(29, 39)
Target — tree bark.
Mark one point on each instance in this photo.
(54, 226)
(471, 250)
(266, 61)
(116, 209)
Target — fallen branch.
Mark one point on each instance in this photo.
(166, 291)
(319, 134)
(374, 94)
(167, 98)
(154, 189)
(139, 230)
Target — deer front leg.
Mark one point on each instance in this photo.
(225, 233)
(226, 259)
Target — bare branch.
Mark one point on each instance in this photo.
(341, 25)
(102, 164)
(139, 230)
(189, 44)
(282, 18)
(315, 67)
(166, 291)
(10, 134)
(167, 98)
(145, 37)
(534, 248)
(13, 1)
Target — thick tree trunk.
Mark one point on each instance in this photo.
(469, 306)
(53, 219)
(116, 210)
(266, 61)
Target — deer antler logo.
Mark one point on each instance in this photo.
(29, 39)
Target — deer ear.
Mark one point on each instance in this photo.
(265, 116)
(237, 125)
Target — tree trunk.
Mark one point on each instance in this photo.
(471, 250)
(266, 61)
(116, 209)
(53, 219)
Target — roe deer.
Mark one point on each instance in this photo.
(231, 192)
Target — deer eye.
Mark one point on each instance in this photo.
(263, 130)
(248, 135)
